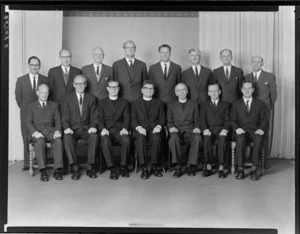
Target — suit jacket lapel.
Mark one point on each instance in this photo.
(261, 77)
(200, 77)
(103, 70)
(28, 83)
(84, 104)
(232, 74)
(126, 66)
(170, 69)
(77, 103)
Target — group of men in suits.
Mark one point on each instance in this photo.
(100, 102)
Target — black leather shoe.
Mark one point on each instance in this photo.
(191, 171)
(157, 172)
(240, 175)
(254, 175)
(177, 173)
(124, 172)
(90, 172)
(57, 175)
(25, 168)
(76, 174)
(207, 173)
(113, 174)
(44, 176)
(145, 174)
(222, 174)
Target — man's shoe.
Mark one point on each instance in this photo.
(25, 168)
(124, 172)
(44, 176)
(191, 170)
(254, 175)
(145, 174)
(75, 174)
(90, 172)
(57, 175)
(222, 174)
(157, 172)
(177, 173)
(113, 174)
(240, 175)
(207, 173)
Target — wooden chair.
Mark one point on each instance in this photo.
(249, 145)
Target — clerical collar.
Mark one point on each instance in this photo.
(147, 99)
(182, 101)
(113, 98)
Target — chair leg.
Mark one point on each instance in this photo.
(233, 144)
(169, 159)
(31, 171)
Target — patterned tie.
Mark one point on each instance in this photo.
(197, 74)
(165, 72)
(66, 76)
(227, 73)
(248, 106)
(80, 105)
(34, 84)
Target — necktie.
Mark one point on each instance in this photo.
(255, 78)
(43, 104)
(98, 74)
(66, 76)
(165, 72)
(227, 73)
(34, 84)
(98, 71)
(131, 71)
(130, 63)
(80, 105)
(197, 74)
(215, 103)
(248, 107)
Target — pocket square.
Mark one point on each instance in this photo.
(106, 78)
(266, 83)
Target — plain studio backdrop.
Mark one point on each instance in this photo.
(268, 34)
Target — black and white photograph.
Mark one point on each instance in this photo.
(139, 119)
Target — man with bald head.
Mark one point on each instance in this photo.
(228, 77)
(184, 126)
(44, 125)
(61, 77)
(197, 77)
(265, 90)
(97, 74)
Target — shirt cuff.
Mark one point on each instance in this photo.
(34, 133)
(138, 127)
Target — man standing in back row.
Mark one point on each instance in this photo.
(228, 77)
(25, 93)
(97, 74)
(165, 75)
(265, 90)
(61, 78)
(130, 73)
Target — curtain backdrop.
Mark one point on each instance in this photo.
(269, 34)
(31, 33)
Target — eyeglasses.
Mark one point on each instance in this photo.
(78, 84)
(150, 89)
(34, 65)
(65, 56)
(113, 87)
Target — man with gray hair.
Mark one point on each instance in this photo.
(130, 73)
(197, 77)
(265, 90)
(97, 74)
(61, 78)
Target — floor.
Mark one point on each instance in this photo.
(194, 202)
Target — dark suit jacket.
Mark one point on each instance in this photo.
(255, 119)
(58, 89)
(44, 120)
(71, 113)
(265, 88)
(184, 120)
(130, 86)
(117, 116)
(214, 117)
(197, 86)
(140, 117)
(24, 92)
(94, 87)
(231, 90)
(164, 89)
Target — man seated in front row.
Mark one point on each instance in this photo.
(215, 122)
(249, 122)
(148, 120)
(44, 124)
(184, 125)
(80, 120)
(114, 123)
